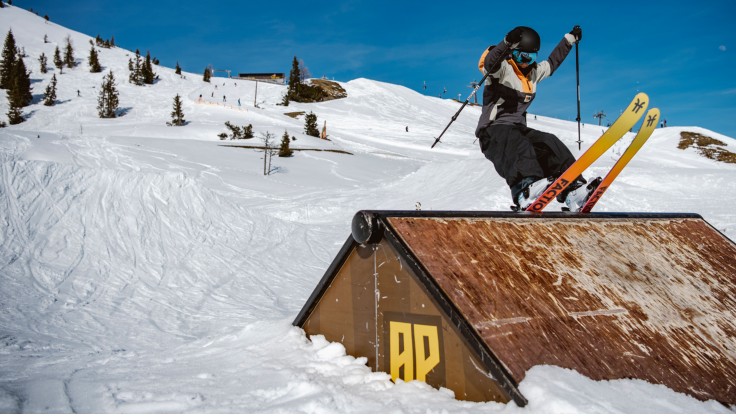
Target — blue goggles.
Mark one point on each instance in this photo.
(524, 57)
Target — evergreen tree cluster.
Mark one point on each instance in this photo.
(15, 78)
(299, 91)
(141, 71)
(207, 75)
(239, 133)
(105, 43)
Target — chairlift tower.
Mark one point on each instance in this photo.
(600, 116)
(227, 71)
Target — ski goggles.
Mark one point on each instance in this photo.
(524, 57)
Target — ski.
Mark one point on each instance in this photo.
(623, 124)
(646, 129)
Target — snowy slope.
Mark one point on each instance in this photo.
(146, 268)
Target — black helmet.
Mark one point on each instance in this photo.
(530, 40)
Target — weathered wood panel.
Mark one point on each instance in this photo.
(651, 299)
(372, 291)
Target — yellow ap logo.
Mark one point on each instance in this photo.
(413, 348)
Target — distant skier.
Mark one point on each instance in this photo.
(524, 157)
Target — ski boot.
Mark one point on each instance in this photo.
(530, 192)
(577, 197)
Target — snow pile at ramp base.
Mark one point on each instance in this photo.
(471, 301)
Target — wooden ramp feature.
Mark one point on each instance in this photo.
(471, 301)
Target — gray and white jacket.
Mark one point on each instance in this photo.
(508, 93)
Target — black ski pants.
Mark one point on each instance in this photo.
(519, 152)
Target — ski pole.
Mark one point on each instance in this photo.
(467, 100)
(577, 80)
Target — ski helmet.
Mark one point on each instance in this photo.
(530, 40)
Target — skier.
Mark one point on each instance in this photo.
(529, 160)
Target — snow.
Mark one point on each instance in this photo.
(148, 269)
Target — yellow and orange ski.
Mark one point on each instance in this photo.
(646, 129)
(623, 124)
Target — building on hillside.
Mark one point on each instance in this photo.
(272, 77)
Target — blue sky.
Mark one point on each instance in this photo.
(681, 53)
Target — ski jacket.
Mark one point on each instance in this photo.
(508, 92)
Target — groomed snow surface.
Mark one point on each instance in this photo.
(150, 269)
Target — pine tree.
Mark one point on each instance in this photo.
(107, 103)
(248, 131)
(57, 60)
(19, 92)
(147, 70)
(94, 62)
(49, 96)
(136, 74)
(310, 125)
(15, 114)
(20, 88)
(206, 77)
(43, 63)
(69, 53)
(178, 68)
(8, 60)
(294, 79)
(177, 116)
(285, 150)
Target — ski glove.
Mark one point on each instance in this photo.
(577, 31)
(514, 37)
